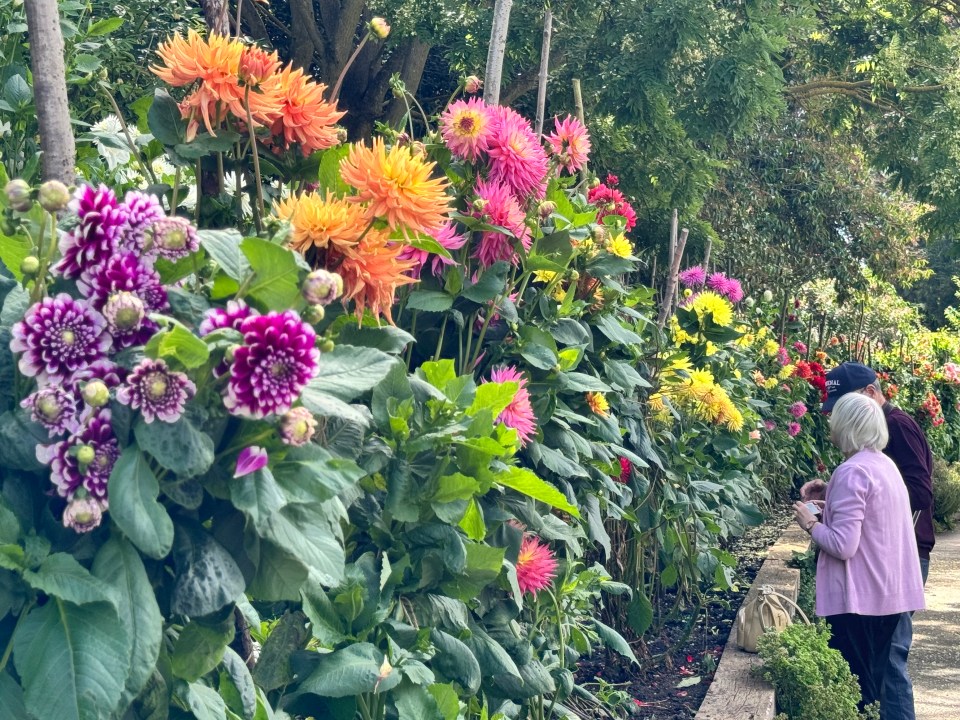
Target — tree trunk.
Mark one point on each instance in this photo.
(498, 46)
(544, 69)
(217, 15)
(50, 91)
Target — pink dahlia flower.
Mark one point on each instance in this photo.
(274, 364)
(519, 413)
(793, 429)
(123, 272)
(610, 201)
(500, 208)
(517, 158)
(536, 566)
(172, 238)
(783, 357)
(58, 336)
(770, 425)
(570, 143)
(798, 410)
(693, 277)
(466, 127)
(447, 237)
(96, 236)
(800, 347)
(625, 469)
(734, 291)
(156, 391)
(83, 460)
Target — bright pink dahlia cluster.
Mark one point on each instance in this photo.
(693, 277)
(610, 201)
(725, 286)
(798, 409)
(498, 207)
(793, 429)
(272, 366)
(570, 143)
(536, 566)
(519, 413)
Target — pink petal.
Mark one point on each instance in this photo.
(250, 460)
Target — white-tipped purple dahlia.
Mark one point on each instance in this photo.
(96, 236)
(124, 271)
(230, 317)
(143, 210)
(124, 313)
(297, 427)
(84, 459)
(54, 407)
(58, 336)
(83, 514)
(172, 238)
(156, 391)
(271, 368)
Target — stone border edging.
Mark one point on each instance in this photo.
(735, 694)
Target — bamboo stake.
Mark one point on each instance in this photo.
(667, 304)
(544, 68)
(706, 256)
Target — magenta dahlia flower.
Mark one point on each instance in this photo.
(793, 429)
(734, 291)
(83, 514)
(84, 459)
(297, 427)
(58, 336)
(693, 277)
(250, 460)
(96, 236)
(230, 317)
(798, 409)
(501, 208)
(783, 357)
(770, 425)
(536, 566)
(54, 407)
(610, 201)
(447, 237)
(570, 143)
(272, 366)
(466, 126)
(124, 272)
(625, 470)
(143, 210)
(171, 238)
(800, 347)
(519, 413)
(517, 158)
(718, 283)
(156, 391)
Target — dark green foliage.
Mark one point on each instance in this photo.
(946, 493)
(806, 563)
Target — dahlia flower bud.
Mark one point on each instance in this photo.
(380, 28)
(546, 208)
(124, 312)
(30, 265)
(418, 149)
(173, 238)
(767, 296)
(322, 287)
(86, 454)
(83, 514)
(472, 85)
(230, 353)
(96, 393)
(18, 193)
(479, 205)
(599, 233)
(314, 314)
(341, 135)
(595, 182)
(54, 196)
(297, 426)
(750, 302)
(327, 345)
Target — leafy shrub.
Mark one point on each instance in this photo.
(946, 493)
(806, 563)
(811, 679)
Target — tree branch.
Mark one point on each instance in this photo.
(527, 80)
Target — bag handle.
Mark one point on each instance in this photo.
(768, 590)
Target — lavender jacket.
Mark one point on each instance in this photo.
(868, 551)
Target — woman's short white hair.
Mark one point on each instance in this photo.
(856, 423)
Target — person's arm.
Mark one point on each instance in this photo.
(908, 448)
(847, 504)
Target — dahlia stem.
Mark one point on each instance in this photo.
(176, 191)
(258, 219)
(9, 649)
(483, 332)
(147, 170)
(198, 177)
(443, 330)
(343, 73)
(220, 183)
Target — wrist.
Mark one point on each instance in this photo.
(809, 526)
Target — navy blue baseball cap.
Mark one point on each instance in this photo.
(846, 378)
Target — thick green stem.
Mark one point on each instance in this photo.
(9, 649)
(256, 163)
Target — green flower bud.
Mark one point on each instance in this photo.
(85, 455)
(30, 265)
(314, 314)
(327, 345)
(96, 393)
(18, 193)
(54, 196)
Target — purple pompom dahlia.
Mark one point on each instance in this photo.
(83, 460)
(59, 336)
(230, 317)
(156, 391)
(54, 407)
(124, 271)
(143, 210)
(693, 277)
(275, 362)
(96, 236)
(172, 238)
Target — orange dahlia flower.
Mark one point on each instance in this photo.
(372, 273)
(397, 186)
(303, 116)
(322, 222)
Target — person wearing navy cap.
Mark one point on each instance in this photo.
(909, 450)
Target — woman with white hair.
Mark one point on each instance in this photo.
(868, 572)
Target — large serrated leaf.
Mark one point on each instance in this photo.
(347, 372)
(60, 575)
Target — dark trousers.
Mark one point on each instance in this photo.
(864, 641)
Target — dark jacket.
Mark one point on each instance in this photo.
(908, 448)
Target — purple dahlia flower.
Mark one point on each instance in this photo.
(59, 336)
(83, 514)
(96, 236)
(124, 271)
(172, 238)
(157, 391)
(275, 362)
(54, 407)
(250, 460)
(230, 317)
(693, 277)
(83, 460)
(143, 210)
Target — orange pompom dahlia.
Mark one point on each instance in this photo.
(322, 222)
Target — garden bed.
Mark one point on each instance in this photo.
(656, 692)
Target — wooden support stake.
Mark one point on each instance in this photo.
(667, 304)
(544, 69)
